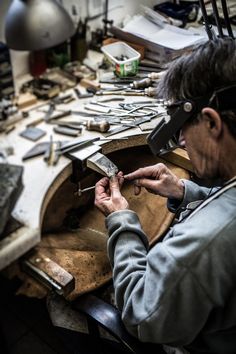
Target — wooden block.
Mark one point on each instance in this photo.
(26, 99)
(179, 157)
(139, 48)
(89, 83)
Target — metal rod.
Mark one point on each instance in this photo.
(205, 19)
(217, 18)
(226, 17)
(80, 190)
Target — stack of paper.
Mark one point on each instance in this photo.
(161, 40)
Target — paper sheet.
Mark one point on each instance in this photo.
(167, 36)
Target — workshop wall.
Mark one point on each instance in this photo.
(118, 9)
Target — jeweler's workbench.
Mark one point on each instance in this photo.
(42, 179)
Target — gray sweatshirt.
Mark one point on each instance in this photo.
(182, 291)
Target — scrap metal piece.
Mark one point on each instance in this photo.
(79, 191)
(51, 274)
(101, 164)
(76, 144)
(37, 150)
(67, 131)
(32, 133)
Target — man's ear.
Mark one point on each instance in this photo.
(213, 121)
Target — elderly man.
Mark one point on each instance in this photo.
(182, 291)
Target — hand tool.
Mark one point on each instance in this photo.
(156, 76)
(136, 124)
(48, 116)
(67, 131)
(95, 107)
(103, 100)
(140, 84)
(60, 115)
(101, 164)
(49, 273)
(37, 150)
(11, 186)
(122, 93)
(70, 125)
(55, 101)
(102, 126)
(103, 108)
(89, 83)
(150, 91)
(51, 155)
(80, 190)
(76, 144)
(83, 95)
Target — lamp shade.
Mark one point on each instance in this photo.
(37, 24)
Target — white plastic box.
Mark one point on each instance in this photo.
(115, 52)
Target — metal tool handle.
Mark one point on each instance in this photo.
(102, 126)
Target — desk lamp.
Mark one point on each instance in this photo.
(37, 24)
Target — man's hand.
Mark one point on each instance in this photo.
(107, 195)
(157, 179)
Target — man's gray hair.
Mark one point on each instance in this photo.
(208, 67)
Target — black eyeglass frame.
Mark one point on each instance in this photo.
(222, 99)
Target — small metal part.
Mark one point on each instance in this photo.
(122, 93)
(32, 133)
(140, 84)
(126, 127)
(67, 131)
(82, 95)
(151, 91)
(104, 100)
(48, 153)
(80, 190)
(61, 115)
(77, 144)
(76, 126)
(9, 129)
(37, 150)
(188, 107)
(35, 122)
(49, 112)
(101, 164)
(49, 273)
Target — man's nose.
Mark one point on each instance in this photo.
(181, 139)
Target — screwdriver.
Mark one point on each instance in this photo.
(101, 126)
(139, 84)
(148, 81)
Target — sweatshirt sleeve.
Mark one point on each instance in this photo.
(150, 285)
(192, 192)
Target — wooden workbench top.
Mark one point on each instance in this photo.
(41, 181)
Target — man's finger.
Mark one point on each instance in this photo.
(140, 173)
(114, 187)
(137, 190)
(101, 185)
(146, 183)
